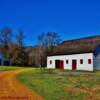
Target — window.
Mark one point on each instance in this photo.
(81, 61)
(66, 61)
(89, 61)
(50, 61)
(6, 63)
(0, 61)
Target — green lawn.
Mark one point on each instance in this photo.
(68, 85)
(5, 68)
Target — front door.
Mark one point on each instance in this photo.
(59, 64)
(74, 64)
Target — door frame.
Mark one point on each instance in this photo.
(74, 64)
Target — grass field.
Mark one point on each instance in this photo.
(68, 85)
(5, 68)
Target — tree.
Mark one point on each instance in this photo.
(52, 40)
(20, 55)
(5, 39)
(20, 39)
(48, 41)
(46, 44)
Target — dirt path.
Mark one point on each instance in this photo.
(12, 89)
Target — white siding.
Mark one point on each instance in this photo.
(84, 66)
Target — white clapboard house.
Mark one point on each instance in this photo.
(4, 61)
(79, 54)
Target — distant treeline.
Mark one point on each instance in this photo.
(21, 55)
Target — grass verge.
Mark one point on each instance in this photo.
(6, 68)
(55, 85)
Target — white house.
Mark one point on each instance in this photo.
(4, 61)
(79, 54)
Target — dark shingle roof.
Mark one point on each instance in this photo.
(82, 45)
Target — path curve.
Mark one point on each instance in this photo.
(12, 89)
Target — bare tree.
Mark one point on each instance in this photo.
(5, 39)
(20, 39)
(46, 43)
(52, 40)
(20, 56)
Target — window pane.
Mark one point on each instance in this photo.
(50, 61)
(89, 61)
(81, 61)
(0, 61)
(66, 61)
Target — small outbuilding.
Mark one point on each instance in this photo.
(79, 54)
(4, 61)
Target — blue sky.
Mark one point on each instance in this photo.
(70, 18)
